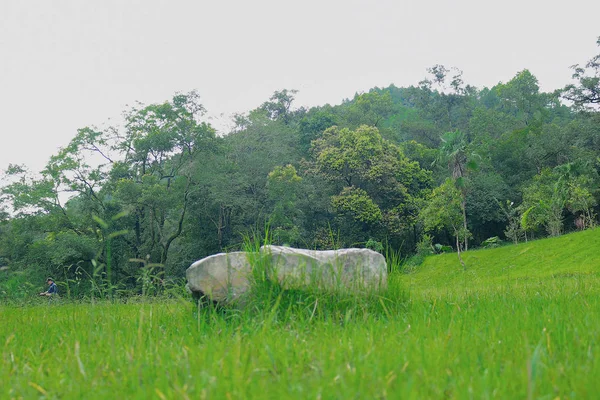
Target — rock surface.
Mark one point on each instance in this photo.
(353, 269)
(221, 277)
(225, 277)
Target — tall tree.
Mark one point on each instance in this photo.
(370, 108)
(444, 211)
(283, 185)
(454, 150)
(279, 106)
(585, 93)
(160, 144)
(377, 183)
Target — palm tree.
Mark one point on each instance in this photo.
(454, 151)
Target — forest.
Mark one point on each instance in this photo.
(407, 171)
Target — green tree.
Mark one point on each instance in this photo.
(444, 210)
(283, 184)
(544, 200)
(585, 93)
(582, 202)
(520, 97)
(455, 152)
(514, 230)
(370, 108)
(444, 98)
(356, 202)
(582, 180)
(486, 219)
(313, 124)
(376, 182)
(160, 146)
(279, 106)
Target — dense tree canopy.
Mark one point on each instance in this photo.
(458, 164)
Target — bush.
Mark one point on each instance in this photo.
(492, 242)
(374, 245)
(425, 246)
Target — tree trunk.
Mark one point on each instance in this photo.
(464, 211)
(458, 252)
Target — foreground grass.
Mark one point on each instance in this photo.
(501, 337)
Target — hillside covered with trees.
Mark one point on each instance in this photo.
(400, 168)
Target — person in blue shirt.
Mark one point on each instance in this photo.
(52, 290)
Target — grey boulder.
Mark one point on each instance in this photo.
(225, 277)
(221, 277)
(344, 269)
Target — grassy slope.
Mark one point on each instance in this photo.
(576, 255)
(521, 322)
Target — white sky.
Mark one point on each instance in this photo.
(68, 64)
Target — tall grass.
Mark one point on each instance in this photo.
(510, 334)
(269, 300)
(490, 345)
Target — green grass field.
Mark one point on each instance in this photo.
(521, 322)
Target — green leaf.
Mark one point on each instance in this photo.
(100, 222)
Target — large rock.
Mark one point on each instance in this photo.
(225, 277)
(221, 277)
(344, 269)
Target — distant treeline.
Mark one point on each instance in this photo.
(396, 169)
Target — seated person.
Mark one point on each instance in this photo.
(52, 290)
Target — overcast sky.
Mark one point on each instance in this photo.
(68, 64)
